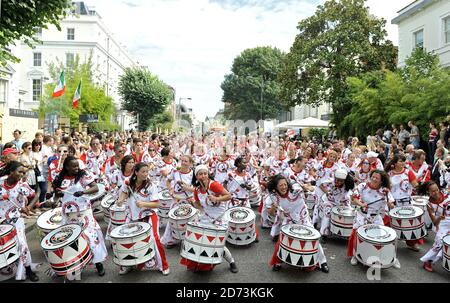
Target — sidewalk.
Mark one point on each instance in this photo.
(29, 224)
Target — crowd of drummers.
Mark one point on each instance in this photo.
(298, 188)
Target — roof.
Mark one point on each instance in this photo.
(411, 9)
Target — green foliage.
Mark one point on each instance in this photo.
(254, 72)
(317, 132)
(162, 120)
(93, 98)
(340, 40)
(418, 92)
(144, 94)
(20, 18)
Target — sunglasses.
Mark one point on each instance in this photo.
(63, 151)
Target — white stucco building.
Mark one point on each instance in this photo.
(424, 23)
(81, 35)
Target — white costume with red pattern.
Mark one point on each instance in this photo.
(276, 166)
(401, 187)
(236, 184)
(95, 162)
(221, 168)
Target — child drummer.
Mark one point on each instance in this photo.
(211, 198)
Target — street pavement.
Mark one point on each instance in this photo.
(253, 266)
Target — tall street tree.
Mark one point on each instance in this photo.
(342, 39)
(251, 91)
(20, 19)
(144, 95)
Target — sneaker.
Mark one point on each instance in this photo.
(100, 269)
(428, 266)
(124, 270)
(276, 267)
(31, 275)
(233, 267)
(324, 268)
(165, 272)
(397, 264)
(354, 261)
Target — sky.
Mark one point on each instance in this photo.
(191, 44)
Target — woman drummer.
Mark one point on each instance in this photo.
(402, 183)
(141, 197)
(439, 211)
(211, 199)
(290, 208)
(72, 184)
(372, 198)
(14, 195)
(180, 188)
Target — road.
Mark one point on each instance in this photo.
(253, 266)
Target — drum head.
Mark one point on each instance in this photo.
(130, 230)
(107, 201)
(181, 212)
(101, 191)
(203, 225)
(50, 219)
(165, 195)
(344, 211)
(239, 215)
(420, 200)
(446, 240)
(377, 233)
(115, 207)
(5, 229)
(62, 236)
(300, 231)
(405, 212)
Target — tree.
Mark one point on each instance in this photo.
(144, 94)
(21, 19)
(341, 40)
(254, 77)
(93, 97)
(163, 120)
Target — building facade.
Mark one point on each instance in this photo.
(424, 23)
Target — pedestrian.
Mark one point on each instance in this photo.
(17, 141)
(414, 135)
(40, 160)
(403, 135)
(433, 136)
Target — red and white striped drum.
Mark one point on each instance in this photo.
(179, 216)
(342, 218)
(241, 225)
(106, 203)
(255, 196)
(97, 198)
(118, 215)
(299, 245)
(9, 252)
(422, 202)
(204, 243)
(165, 203)
(376, 244)
(446, 252)
(49, 221)
(132, 244)
(408, 222)
(67, 249)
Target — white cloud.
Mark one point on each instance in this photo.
(191, 44)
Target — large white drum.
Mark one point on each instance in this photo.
(9, 252)
(255, 196)
(422, 202)
(204, 243)
(179, 216)
(118, 214)
(376, 244)
(106, 203)
(165, 204)
(97, 198)
(132, 244)
(241, 225)
(342, 218)
(67, 249)
(299, 245)
(408, 222)
(446, 252)
(49, 221)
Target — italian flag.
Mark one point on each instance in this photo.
(61, 87)
(77, 96)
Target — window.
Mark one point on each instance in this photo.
(447, 30)
(37, 90)
(3, 90)
(70, 58)
(418, 39)
(37, 59)
(70, 34)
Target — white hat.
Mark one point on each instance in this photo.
(372, 154)
(341, 174)
(201, 167)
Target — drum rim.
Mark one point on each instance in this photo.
(98, 194)
(7, 231)
(171, 211)
(208, 227)
(371, 240)
(315, 232)
(105, 198)
(148, 230)
(122, 208)
(228, 218)
(41, 216)
(160, 195)
(343, 215)
(444, 239)
(416, 209)
(67, 243)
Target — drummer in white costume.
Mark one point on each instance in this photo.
(211, 199)
(222, 166)
(290, 208)
(239, 183)
(372, 198)
(14, 195)
(141, 196)
(72, 184)
(165, 167)
(439, 210)
(179, 184)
